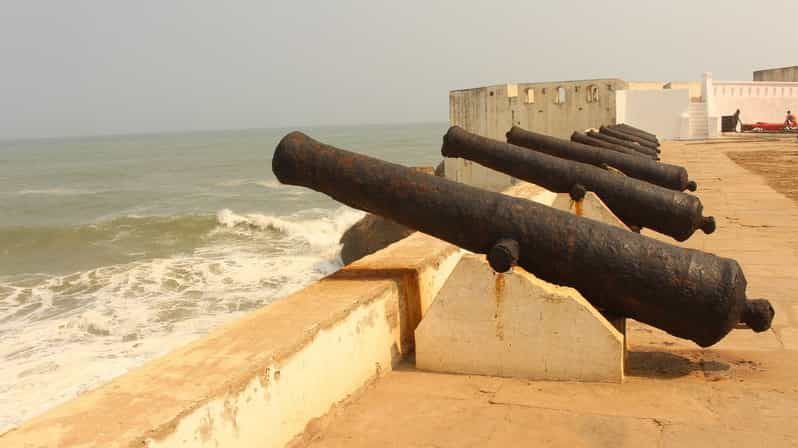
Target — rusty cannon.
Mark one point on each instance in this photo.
(625, 143)
(635, 202)
(579, 137)
(688, 293)
(669, 176)
(622, 135)
(637, 132)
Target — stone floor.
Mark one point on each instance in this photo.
(740, 392)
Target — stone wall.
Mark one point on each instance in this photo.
(786, 74)
(553, 108)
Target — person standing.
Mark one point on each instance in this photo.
(790, 121)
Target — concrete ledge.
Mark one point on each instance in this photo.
(516, 325)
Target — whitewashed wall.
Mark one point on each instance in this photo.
(757, 101)
(657, 111)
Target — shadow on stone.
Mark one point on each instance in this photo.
(668, 365)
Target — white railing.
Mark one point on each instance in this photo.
(755, 89)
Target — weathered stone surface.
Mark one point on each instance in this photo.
(516, 325)
(369, 235)
(440, 170)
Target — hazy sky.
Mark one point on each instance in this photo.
(97, 67)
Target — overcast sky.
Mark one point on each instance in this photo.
(100, 67)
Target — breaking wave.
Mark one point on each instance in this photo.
(67, 331)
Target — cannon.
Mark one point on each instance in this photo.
(638, 132)
(662, 174)
(617, 133)
(635, 202)
(579, 137)
(625, 143)
(688, 293)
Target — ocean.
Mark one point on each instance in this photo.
(115, 250)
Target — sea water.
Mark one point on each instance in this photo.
(115, 250)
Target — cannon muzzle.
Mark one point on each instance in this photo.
(662, 174)
(635, 202)
(688, 293)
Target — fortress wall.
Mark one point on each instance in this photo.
(757, 101)
(553, 108)
(787, 74)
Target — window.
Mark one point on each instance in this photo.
(560, 97)
(530, 96)
(592, 94)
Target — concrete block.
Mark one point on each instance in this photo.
(516, 325)
(591, 207)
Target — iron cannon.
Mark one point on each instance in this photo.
(688, 293)
(620, 134)
(625, 143)
(662, 174)
(638, 132)
(635, 202)
(579, 137)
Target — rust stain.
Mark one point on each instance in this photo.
(498, 291)
(578, 208)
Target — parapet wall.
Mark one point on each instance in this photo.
(757, 101)
(781, 74)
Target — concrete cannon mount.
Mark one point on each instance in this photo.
(332, 365)
(516, 325)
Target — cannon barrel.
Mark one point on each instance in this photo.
(688, 293)
(650, 135)
(635, 202)
(662, 174)
(640, 139)
(625, 143)
(585, 139)
(617, 133)
(638, 132)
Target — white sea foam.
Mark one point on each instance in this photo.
(269, 184)
(322, 232)
(63, 335)
(231, 183)
(57, 191)
(273, 183)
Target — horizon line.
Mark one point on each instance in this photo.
(207, 130)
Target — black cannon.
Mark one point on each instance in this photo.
(635, 202)
(638, 132)
(625, 143)
(688, 293)
(662, 174)
(617, 133)
(579, 137)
